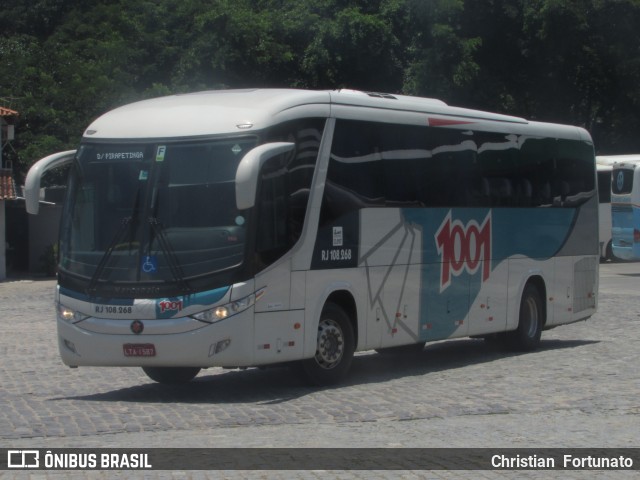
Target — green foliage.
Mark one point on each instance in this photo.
(49, 260)
(64, 62)
(443, 55)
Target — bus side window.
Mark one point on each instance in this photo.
(604, 186)
(501, 191)
(523, 193)
(285, 187)
(544, 195)
(355, 178)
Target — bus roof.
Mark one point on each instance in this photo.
(619, 161)
(233, 111)
(611, 159)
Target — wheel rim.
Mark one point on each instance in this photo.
(533, 317)
(330, 344)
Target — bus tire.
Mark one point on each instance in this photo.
(171, 375)
(334, 349)
(531, 319)
(609, 253)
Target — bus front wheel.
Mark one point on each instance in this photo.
(334, 348)
(171, 375)
(527, 336)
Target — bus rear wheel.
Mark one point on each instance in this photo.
(334, 349)
(609, 252)
(527, 336)
(171, 375)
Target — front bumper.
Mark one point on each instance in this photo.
(218, 344)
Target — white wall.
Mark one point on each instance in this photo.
(43, 232)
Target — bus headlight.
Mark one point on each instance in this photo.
(228, 310)
(69, 315)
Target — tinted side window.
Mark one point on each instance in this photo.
(356, 162)
(604, 186)
(285, 186)
(428, 167)
(561, 171)
(575, 172)
(377, 165)
(499, 167)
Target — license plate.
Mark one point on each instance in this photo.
(139, 350)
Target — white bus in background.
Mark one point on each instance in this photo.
(604, 165)
(253, 227)
(625, 207)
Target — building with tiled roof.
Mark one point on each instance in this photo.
(7, 112)
(7, 183)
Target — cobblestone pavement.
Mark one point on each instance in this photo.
(580, 389)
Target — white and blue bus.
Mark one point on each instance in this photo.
(604, 166)
(625, 207)
(254, 227)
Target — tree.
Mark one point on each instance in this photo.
(64, 62)
(583, 58)
(441, 62)
(357, 46)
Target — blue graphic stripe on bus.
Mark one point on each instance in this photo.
(623, 217)
(461, 247)
(533, 233)
(170, 307)
(165, 307)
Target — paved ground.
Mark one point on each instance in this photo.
(580, 389)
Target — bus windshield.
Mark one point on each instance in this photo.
(151, 213)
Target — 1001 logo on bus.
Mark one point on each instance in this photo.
(170, 306)
(463, 248)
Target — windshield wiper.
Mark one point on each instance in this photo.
(169, 253)
(124, 226)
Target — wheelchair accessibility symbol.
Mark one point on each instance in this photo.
(149, 264)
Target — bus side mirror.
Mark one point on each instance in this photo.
(32, 182)
(249, 171)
